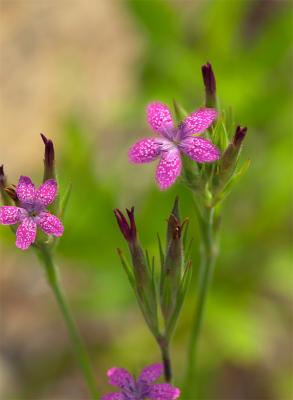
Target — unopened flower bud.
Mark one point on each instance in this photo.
(229, 159)
(128, 229)
(3, 183)
(173, 263)
(11, 192)
(49, 159)
(210, 85)
(239, 136)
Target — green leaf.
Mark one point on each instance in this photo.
(127, 268)
(185, 282)
(179, 111)
(64, 201)
(235, 177)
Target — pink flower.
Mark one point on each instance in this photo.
(32, 211)
(143, 387)
(173, 140)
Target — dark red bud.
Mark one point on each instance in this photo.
(210, 84)
(239, 135)
(2, 177)
(127, 229)
(49, 151)
(11, 191)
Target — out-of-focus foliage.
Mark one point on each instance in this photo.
(246, 348)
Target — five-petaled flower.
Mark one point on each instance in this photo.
(173, 140)
(32, 211)
(142, 388)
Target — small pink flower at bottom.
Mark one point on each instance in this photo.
(32, 212)
(174, 140)
(142, 388)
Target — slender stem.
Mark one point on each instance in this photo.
(208, 258)
(165, 352)
(77, 343)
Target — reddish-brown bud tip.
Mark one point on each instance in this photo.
(49, 152)
(128, 230)
(2, 177)
(10, 190)
(209, 81)
(239, 135)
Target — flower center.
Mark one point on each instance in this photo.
(33, 208)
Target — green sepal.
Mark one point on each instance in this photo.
(183, 289)
(64, 201)
(180, 113)
(127, 269)
(228, 187)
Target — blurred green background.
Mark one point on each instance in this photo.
(82, 73)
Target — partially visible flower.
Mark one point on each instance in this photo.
(142, 388)
(32, 212)
(173, 140)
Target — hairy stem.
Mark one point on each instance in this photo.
(76, 340)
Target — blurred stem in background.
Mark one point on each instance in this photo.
(209, 251)
(46, 258)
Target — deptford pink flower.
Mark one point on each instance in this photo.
(174, 140)
(142, 388)
(32, 211)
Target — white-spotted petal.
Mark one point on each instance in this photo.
(144, 151)
(169, 168)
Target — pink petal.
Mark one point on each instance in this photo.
(159, 117)
(151, 373)
(168, 169)
(25, 189)
(121, 378)
(163, 391)
(199, 121)
(113, 396)
(47, 192)
(50, 224)
(10, 215)
(26, 233)
(144, 151)
(200, 150)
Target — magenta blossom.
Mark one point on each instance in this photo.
(32, 211)
(142, 388)
(173, 140)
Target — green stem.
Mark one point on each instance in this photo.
(163, 343)
(77, 343)
(208, 258)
